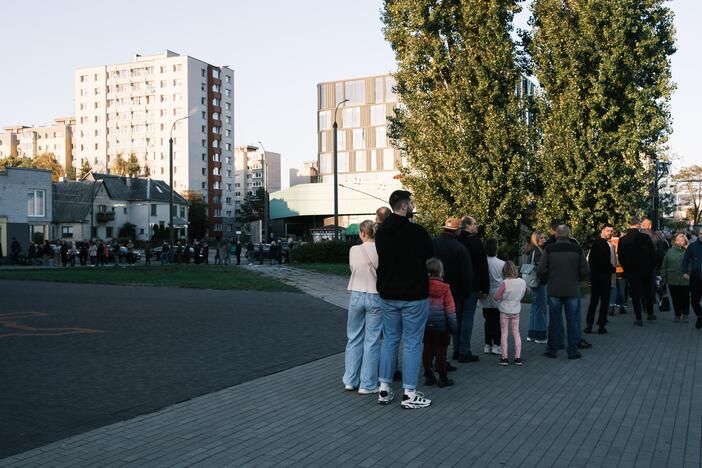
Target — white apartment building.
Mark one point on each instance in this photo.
(56, 138)
(130, 108)
(249, 175)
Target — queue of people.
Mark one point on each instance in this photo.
(409, 289)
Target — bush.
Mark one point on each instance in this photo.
(322, 252)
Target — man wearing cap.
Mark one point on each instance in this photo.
(637, 255)
(458, 269)
(403, 286)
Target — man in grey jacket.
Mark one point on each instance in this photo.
(563, 266)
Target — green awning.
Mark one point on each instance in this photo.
(352, 230)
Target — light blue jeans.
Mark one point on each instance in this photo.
(538, 316)
(363, 328)
(403, 320)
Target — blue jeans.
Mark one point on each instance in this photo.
(538, 317)
(402, 320)
(556, 305)
(617, 296)
(461, 343)
(365, 322)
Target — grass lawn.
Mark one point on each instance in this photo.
(340, 269)
(175, 276)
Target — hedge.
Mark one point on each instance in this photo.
(322, 252)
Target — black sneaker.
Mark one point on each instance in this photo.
(429, 379)
(468, 358)
(385, 397)
(450, 367)
(444, 382)
(651, 317)
(550, 355)
(575, 356)
(698, 323)
(504, 361)
(397, 376)
(584, 345)
(601, 331)
(518, 362)
(417, 401)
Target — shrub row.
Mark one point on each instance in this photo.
(322, 252)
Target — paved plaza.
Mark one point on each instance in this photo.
(632, 401)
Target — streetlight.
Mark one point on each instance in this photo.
(336, 175)
(171, 233)
(264, 182)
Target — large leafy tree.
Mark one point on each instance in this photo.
(85, 169)
(251, 208)
(40, 161)
(604, 68)
(688, 183)
(197, 215)
(460, 123)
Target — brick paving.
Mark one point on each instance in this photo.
(632, 401)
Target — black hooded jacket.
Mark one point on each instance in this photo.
(403, 249)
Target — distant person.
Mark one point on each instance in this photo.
(219, 253)
(538, 316)
(692, 263)
(602, 262)
(403, 285)
(237, 252)
(637, 255)
(165, 253)
(509, 301)
(130, 252)
(46, 253)
(250, 252)
(365, 320)
(93, 253)
(147, 253)
(671, 272)
(381, 214)
(16, 250)
(440, 325)
(260, 252)
(491, 311)
(228, 250)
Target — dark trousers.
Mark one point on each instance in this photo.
(435, 345)
(238, 258)
(696, 295)
(641, 288)
(493, 334)
(681, 299)
(600, 292)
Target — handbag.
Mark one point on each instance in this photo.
(528, 273)
(664, 305)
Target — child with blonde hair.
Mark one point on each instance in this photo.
(509, 302)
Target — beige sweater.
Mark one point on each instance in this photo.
(363, 260)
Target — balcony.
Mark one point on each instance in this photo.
(106, 217)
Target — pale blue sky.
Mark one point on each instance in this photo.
(279, 50)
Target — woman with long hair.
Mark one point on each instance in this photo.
(538, 317)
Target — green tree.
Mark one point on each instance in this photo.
(133, 167)
(120, 166)
(127, 231)
(688, 184)
(85, 169)
(604, 69)
(460, 123)
(40, 161)
(252, 207)
(197, 215)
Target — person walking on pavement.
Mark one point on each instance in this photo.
(671, 272)
(692, 263)
(250, 254)
(237, 252)
(602, 262)
(228, 250)
(638, 258)
(491, 311)
(562, 267)
(538, 318)
(16, 250)
(365, 321)
(479, 289)
(403, 285)
(165, 253)
(457, 267)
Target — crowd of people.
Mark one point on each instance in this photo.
(407, 287)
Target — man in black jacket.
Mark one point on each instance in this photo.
(637, 255)
(480, 287)
(403, 286)
(602, 263)
(458, 268)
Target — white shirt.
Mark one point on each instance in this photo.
(363, 260)
(495, 266)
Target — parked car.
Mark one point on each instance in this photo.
(285, 254)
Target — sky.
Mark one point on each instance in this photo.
(279, 50)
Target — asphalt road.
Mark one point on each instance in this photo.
(76, 357)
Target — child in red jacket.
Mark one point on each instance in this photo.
(440, 324)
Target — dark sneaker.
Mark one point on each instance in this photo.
(638, 323)
(417, 401)
(551, 355)
(397, 376)
(588, 329)
(504, 361)
(445, 382)
(450, 367)
(429, 379)
(575, 356)
(601, 331)
(467, 358)
(698, 323)
(385, 397)
(651, 317)
(584, 345)
(518, 362)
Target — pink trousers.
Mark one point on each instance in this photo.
(505, 320)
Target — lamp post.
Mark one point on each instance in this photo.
(264, 182)
(171, 230)
(336, 175)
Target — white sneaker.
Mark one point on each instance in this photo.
(417, 401)
(385, 397)
(368, 391)
(496, 349)
(529, 338)
(349, 388)
(487, 349)
(541, 341)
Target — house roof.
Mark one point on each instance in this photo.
(137, 189)
(71, 201)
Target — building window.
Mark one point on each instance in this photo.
(355, 91)
(359, 138)
(388, 159)
(204, 171)
(381, 137)
(108, 231)
(36, 202)
(323, 142)
(154, 209)
(67, 231)
(325, 120)
(325, 163)
(227, 79)
(343, 161)
(341, 140)
(352, 117)
(360, 157)
(378, 114)
(338, 93)
(124, 210)
(204, 156)
(228, 146)
(182, 212)
(202, 72)
(379, 89)
(215, 73)
(390, 95)
(323, 96)
(374, 160)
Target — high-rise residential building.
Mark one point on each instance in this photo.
(306, 174)
(251, 174)
(132, 108)
(56, 138)
(364, 150)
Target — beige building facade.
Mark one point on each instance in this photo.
(254, 169)
(56, 138)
